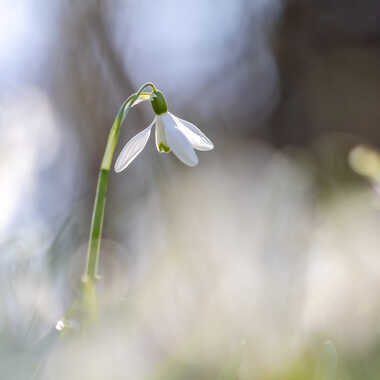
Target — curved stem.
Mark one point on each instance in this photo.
(90, 273)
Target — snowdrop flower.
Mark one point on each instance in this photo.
(171, 133)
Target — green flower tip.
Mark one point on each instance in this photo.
(163, 148)
(159, 103)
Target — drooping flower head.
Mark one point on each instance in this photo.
(172, 134)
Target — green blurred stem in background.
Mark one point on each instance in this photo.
(91, 270)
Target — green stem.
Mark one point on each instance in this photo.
(90, 273)
(96, 225)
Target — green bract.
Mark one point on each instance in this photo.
(159, 103)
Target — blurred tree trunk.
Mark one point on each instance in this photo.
(328, 63)
(90, 81)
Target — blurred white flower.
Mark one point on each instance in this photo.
(172, 134)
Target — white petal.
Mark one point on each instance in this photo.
(133, 148)
(197, 138)
(161, 142)
(177, 141)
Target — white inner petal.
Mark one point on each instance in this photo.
(197, 138)
(161, 143)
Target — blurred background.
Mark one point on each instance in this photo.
(262, 262)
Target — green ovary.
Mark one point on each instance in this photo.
(163, 148)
